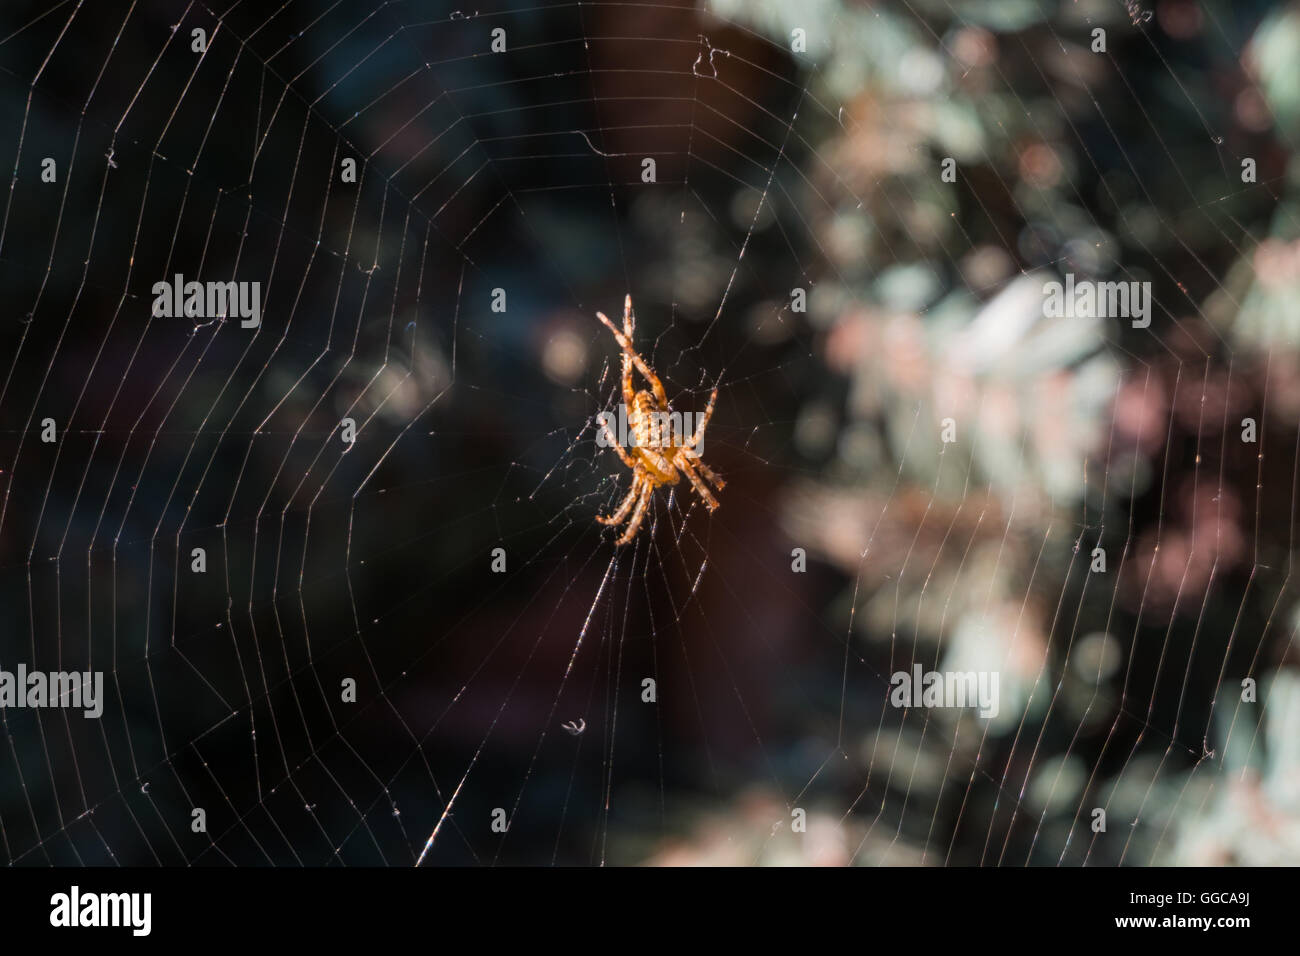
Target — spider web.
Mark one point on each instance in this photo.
(718, 690)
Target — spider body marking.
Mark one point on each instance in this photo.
(659, 455)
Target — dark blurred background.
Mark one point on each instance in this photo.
(776, 170)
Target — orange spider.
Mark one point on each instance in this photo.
(658, 453)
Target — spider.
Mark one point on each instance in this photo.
(659, 456)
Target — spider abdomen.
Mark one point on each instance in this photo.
(651, 426)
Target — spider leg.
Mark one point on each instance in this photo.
(630, 354)
(708, 473)
(704, 423)
(701, 489)
(625, 342)
(629, 325)
(613, 443)
(634, 524)
(626, 505)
